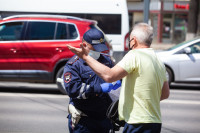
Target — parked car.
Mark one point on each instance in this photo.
(33, 47)
(183, 61)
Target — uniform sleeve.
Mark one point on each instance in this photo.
(80, 86)
(72, 81)
(96, 80)
(93, 81)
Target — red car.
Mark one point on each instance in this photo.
(33, 47)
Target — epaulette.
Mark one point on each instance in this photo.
(73, 59)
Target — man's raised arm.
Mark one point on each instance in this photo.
(106, 73)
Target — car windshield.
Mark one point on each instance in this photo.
(181, 44)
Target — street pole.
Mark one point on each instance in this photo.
(146, 10)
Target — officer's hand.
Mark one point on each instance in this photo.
(75, 114)
(106, 87)
(117, 85)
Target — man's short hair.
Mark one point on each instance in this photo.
(143, 32)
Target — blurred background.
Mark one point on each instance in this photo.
(173, 20)
(42, 108)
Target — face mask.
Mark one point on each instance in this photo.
(94, 54)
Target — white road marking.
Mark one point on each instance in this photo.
(181, 102)
(33, 95)
(174, 101)
(185, 91)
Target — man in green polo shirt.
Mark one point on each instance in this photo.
(144, 82)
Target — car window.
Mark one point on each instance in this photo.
(195, 48)
(40, 31)
(181, 44)
(11, 31)
(109, 23)
(61, 31)
(72, 31)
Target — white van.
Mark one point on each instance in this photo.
(112, 15)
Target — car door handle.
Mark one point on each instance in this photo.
(14, 50)
(60, 49)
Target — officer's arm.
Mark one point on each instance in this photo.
(95, 82)
(72, 82)
(75, 86)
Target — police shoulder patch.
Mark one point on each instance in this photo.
(67, 77)
(73, 59)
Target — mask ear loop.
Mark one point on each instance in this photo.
(130, 45)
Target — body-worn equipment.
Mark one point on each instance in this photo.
(75, 114)
(112, 114)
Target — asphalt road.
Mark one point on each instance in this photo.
(40, 108)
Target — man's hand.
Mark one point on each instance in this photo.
(81, 52)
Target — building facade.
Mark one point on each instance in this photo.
(168, 17)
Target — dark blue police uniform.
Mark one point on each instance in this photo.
(83, 88)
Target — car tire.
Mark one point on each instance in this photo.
(59, 81)
(169, 75)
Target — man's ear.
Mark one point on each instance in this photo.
(135, 42)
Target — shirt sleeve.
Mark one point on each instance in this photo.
(164, 73)
(128, 62)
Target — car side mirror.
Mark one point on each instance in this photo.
(187, 50)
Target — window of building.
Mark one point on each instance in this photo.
(180, 27)
(130, 18)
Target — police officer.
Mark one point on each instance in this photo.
(88, 100)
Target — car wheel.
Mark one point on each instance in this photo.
(59, 81)
(169, 75)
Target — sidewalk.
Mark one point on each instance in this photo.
(161, 46)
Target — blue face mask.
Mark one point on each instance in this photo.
(94, 54)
